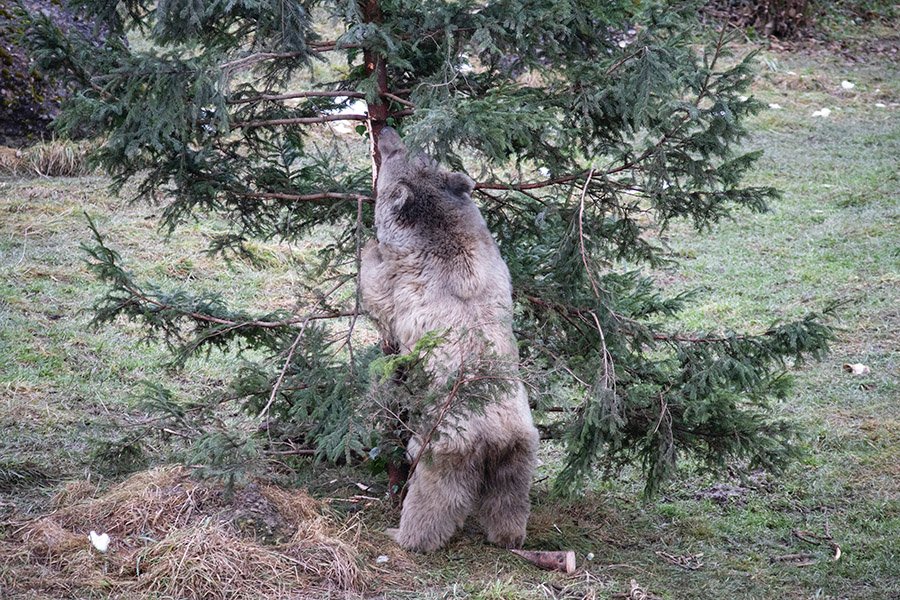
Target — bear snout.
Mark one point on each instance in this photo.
(389, 143)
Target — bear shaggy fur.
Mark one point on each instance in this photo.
(435, 267)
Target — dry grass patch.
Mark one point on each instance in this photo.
(173, 536)
(49, 159)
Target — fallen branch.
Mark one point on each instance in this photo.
(798, 559)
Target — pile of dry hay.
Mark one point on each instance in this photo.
(173, 536)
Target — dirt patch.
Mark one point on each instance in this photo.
(173, 536)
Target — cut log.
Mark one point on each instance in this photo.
(552, 560)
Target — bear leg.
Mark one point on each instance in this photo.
(441, 495)
(504, 504)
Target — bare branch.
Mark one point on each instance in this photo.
(252, 59)
(331, 45)
(530, 186)
(298, 121)
(319, 94)
(444, 410)
(615, 66)
(287, 361)
(584, 259)
(312, 120)
(357, 307)
(398, 99)
(609, 367)
(303, 94)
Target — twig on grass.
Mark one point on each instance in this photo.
(819, 540)
(798, 559)
(691, 562)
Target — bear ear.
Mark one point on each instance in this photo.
(460, 184)
(397, 196)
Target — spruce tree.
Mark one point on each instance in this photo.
(588, 127)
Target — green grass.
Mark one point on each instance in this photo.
(66, 392)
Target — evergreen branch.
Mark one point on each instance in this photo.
(310, 197)
(232, 324)
(587, 315)
(580, 175)
(688, 339)
(584, 258)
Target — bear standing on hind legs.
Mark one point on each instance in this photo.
(435, 267)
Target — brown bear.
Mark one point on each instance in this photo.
(436, 267)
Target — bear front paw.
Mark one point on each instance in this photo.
(510, 539)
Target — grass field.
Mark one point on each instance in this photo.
(67, 393)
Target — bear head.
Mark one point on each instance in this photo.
(420, 204)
